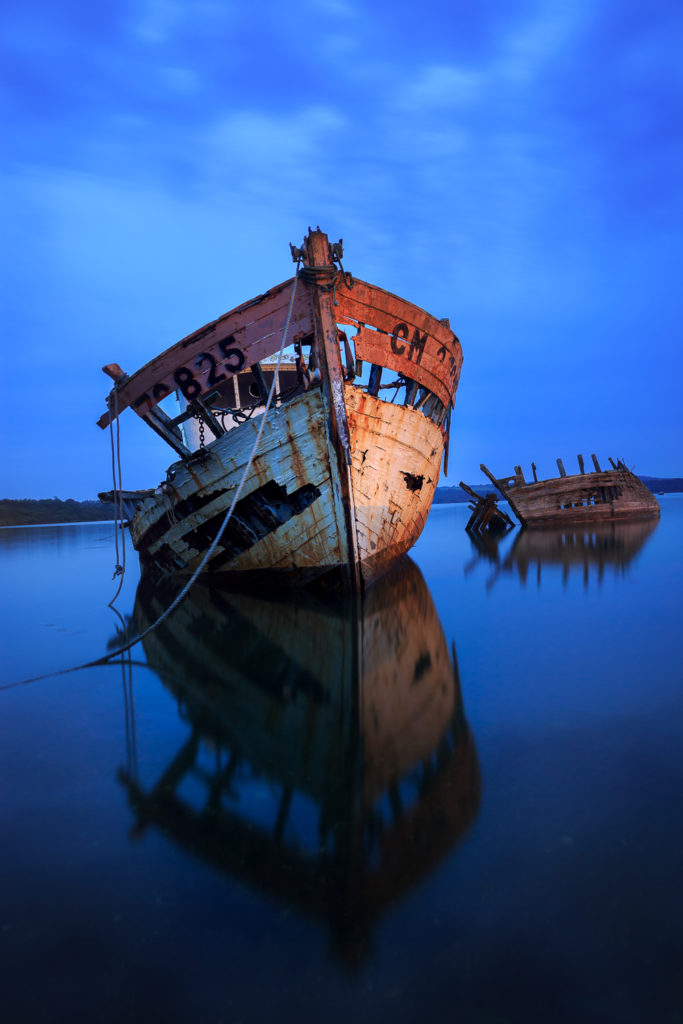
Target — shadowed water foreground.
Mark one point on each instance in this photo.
(292, 806)
(350, 713)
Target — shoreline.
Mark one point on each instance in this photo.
(64, 522)
(15, 512)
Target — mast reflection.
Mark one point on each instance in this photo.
(327, 761)
(592, 552)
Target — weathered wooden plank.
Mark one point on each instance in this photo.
(290, 453)
(395, 469)
(580, 498)
(428, 363)
(368, 304)
(564, 484)
(217, 351)
(411, 391)
(326, 347)
(420, 439)
(375, 379)
(157, 419)
(293, 546)
(469, 490)
(411, 329)
(164, 426)
(309, 541)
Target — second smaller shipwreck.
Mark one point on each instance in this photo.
(594, 497)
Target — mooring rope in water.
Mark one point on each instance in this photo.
(107, 658)
(120, 567)
(128, 705)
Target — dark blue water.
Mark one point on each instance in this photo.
(461, 801)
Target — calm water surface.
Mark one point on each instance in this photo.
(460, 801)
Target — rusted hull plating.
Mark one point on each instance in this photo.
(395, 461)
(343, 478)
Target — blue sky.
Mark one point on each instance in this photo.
(515, 166)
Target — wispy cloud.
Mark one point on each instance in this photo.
(499, 162)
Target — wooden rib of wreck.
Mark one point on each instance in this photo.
(344, 476)
(600, 496)
(485, 513)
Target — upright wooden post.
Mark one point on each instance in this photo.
(596, 463)
(447, 445)
(375, 379)
(560, 466)
(317, 256)
(533, 470)
(579, 459)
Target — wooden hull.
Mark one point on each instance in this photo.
(290, 524)
(600, 497)
(342, 479)
(396, 456)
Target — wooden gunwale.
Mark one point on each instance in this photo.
(406, 338)
(249, 333)
(566, 483)
(375, 347)
(579, 481)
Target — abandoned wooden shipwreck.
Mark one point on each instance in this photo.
(600, 496)
(350, 454)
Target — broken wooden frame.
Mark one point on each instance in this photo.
(220, 369)
(603, 494)
(485, 513)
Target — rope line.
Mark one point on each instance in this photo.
(106, 658)
(119, 569)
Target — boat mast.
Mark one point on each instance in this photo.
(320, 271)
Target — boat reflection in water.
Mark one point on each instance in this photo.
(328, 761)
(592, 551)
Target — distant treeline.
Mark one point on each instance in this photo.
(27, 511)
(663, 484)
(451, 495)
